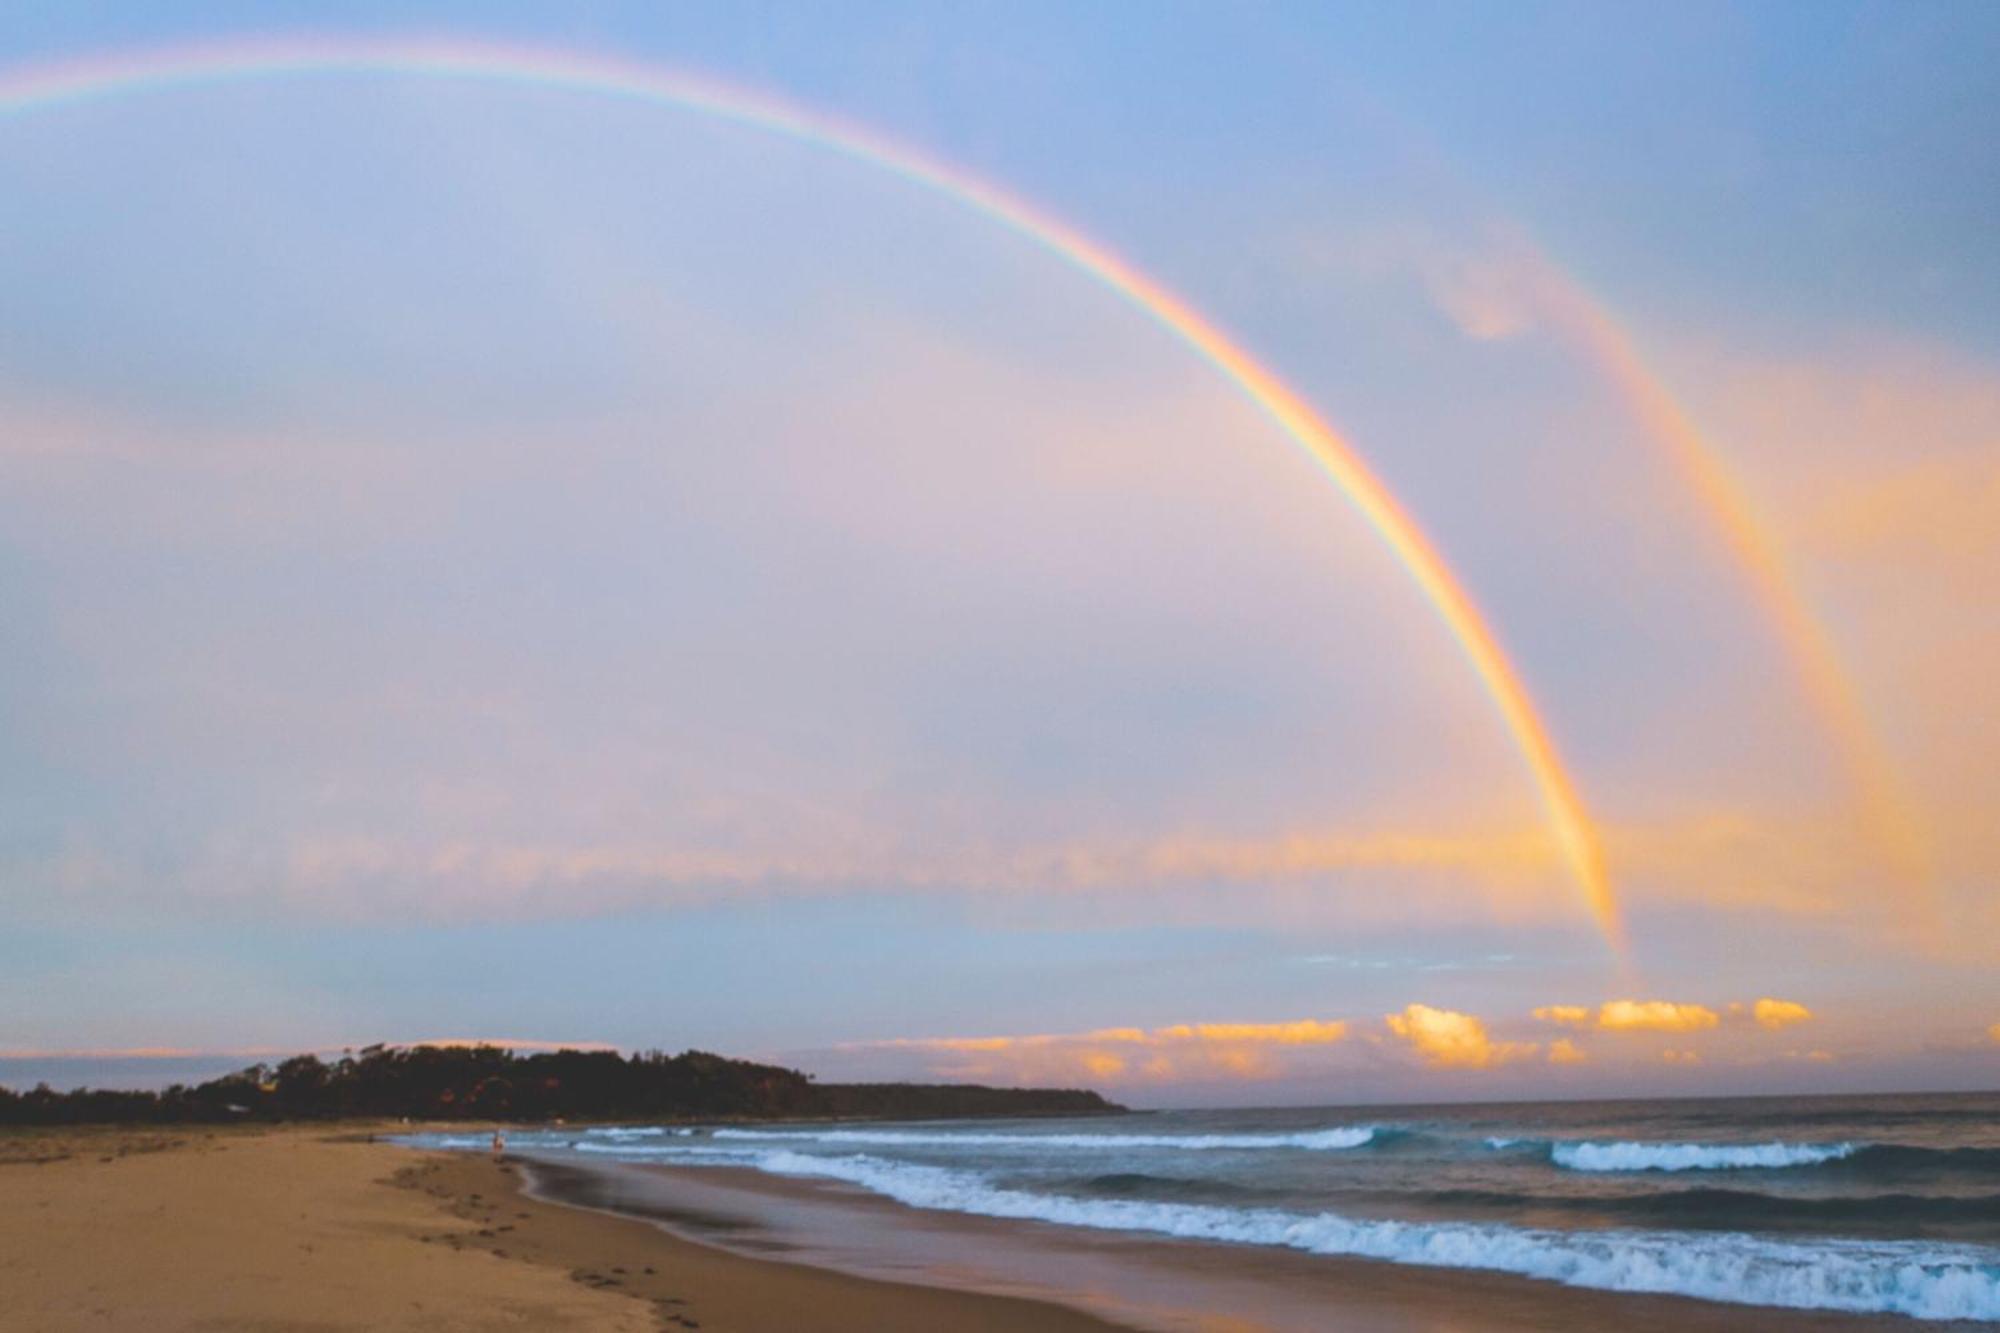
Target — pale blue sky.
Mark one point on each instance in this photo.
(484, 559)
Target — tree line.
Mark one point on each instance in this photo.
(493, 1083)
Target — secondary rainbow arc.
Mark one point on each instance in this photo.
(1828, 689)
(54, 85)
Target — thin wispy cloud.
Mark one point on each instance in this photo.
(529, 541)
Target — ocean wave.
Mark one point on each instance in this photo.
(660, 1150)
(1968, 1216)
(1141, 1184)
(1899, 1159)
(1626, 1156)
(1918, 1279)
(1316, 1140)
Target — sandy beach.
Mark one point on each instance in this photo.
(311, 1229)
(316, 1228)
(1130, 1280)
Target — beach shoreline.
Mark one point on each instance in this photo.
(1153, 1283)
(327, 1227)
(324, 1227)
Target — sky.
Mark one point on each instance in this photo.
(483, 558)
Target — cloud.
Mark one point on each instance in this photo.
(1778, 1014)
(1671, 1016)
(1178, 1052)
(1742, 862)
(1448, 1039)
(1563, 1051)
(1933, 513)
(1300, 1032)
(1102, 1065)
(1297, 1033)
(1879, 463)
(507, 1043)
(334, 749)
(146, 1053)
(1655, 1016)
(1863, 479)
(367, 876)
(1305, 1032)
(1490, 298)
(279, 1052)
(1840, 435)
(1993, 1033)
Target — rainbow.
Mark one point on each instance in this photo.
(1884, 808)
(67, 83)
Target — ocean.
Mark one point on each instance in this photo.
(1871, 1205)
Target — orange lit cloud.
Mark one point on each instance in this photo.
(1672, 1016)
(1103, 1065)
(1882, 465)
(1655, 1016)
(1935, 512)
(1176, 1052)
(1993, 1033)
(478, 858)
(508, 1043)
(1306, 1032)
(1668, 1016)
(277, 1052)
(1448, 1039)
(145, 1053)
(1859, 493)
(1839, 435)
(1777, 1014)
(1738, 862)
(1513, 288)
(1513, 875)
(1303, 1032)
(1563, 1051)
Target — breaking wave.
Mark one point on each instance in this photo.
(1709, 1208)
(1695, 1156)
(1319, 1140)
(1919, 1279)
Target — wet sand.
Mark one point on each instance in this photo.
(313, 1230)
(1167, 1285)
(309, 1230)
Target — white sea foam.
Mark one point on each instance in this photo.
(650, 1150)
(1343, 1136)
(1694, 1156)
(1915, 1278)
(1919, 1279)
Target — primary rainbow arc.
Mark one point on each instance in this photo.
(63, 83)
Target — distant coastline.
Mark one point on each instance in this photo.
(440, 1083)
